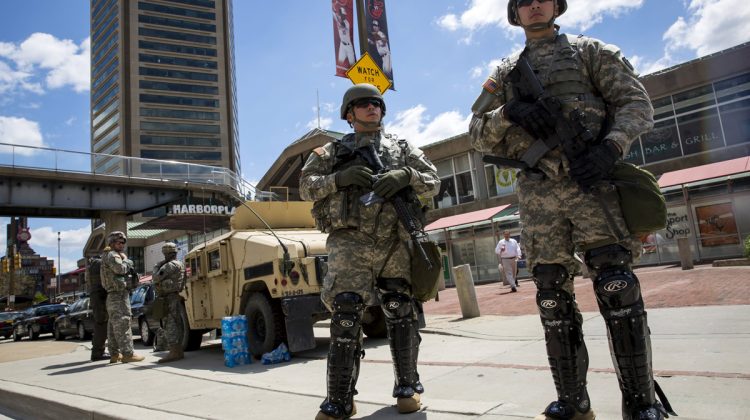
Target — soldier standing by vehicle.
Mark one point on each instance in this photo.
(564, 205)
(369, 252)
(169, 281)
(115, 273)
(98, 302)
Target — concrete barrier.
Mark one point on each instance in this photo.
(467, 296)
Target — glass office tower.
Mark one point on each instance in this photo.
(162, 84)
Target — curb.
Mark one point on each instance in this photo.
(24, 401)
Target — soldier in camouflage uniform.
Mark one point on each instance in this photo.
(115, 268)
(369, 251)
(565, 206)
(169, 280)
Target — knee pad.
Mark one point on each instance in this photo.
(396, 305)
(608, 256)
(552, 300)
(347, 315)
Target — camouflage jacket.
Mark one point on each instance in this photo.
(168, 277)
(342, 208)
(114, 270)
(583, 73)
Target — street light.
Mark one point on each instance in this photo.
(59, 267)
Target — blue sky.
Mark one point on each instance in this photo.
(442, 50)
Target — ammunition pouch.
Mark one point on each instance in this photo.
(424, 280)
(159, 308)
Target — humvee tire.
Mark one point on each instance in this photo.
(265, 324)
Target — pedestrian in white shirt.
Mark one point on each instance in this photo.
(509, 252)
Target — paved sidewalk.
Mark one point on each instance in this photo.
(491, 367)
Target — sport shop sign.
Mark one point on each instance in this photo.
(207, 209)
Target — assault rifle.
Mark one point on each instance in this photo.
(411, 223)
(570, 132)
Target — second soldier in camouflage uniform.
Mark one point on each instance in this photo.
(115, 269)
(169, 280)
(368, 249)
(560, 213)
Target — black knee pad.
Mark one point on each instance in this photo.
(396, 305)
(608, 256)
(552, 300)
(347, 315)
(618, 293)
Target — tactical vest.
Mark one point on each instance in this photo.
(344, 209)
(93, 275)
(565, 76)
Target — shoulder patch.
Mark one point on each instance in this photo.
(320, 151)
(491, 85)
(627, 63)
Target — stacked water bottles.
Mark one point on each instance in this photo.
(234, 340)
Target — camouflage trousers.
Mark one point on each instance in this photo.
(559, 218)
(355, 259)
(172, 322)
(119, 337)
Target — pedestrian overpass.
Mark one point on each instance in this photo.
(55, 183)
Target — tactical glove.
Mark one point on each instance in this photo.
(533, 118)
(354, 175)
(392, 182)
(594, 165)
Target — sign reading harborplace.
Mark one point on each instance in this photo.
(365, 70)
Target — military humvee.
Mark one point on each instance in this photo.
(273, 276)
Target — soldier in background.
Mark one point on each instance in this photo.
(98, 302)
(115, 271)
(369, 251)
(169, 281)
(564, 205)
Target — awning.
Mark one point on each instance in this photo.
(465, 218)
(704, 172)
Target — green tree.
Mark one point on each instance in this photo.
(747, 246)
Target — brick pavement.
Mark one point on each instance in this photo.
(662, 287)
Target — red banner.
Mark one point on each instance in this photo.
(343, 35)
(378, 43)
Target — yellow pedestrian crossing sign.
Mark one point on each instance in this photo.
(365, 70)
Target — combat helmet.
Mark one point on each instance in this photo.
(114, 236)
(357, 92)
(562, 6)
(169, 248)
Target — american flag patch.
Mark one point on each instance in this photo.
(490, 85)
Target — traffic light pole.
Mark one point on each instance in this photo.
(10, 256)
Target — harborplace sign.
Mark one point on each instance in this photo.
(209, 209)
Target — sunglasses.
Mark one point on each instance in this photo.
(364, 103)
(526, 3)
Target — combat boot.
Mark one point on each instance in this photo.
(407, 405)
(115, 357)
(175, 353)
(335, 413)
(561, 410)
(132, 358)
(97, 357)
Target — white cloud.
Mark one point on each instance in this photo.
(60, 62)
(485, 69)
(73, 239)
(70, 121)
(581, 14)
(713, 25)
(414, 125)
(325, 123)
(20, 131)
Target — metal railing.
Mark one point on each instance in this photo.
(100, 164)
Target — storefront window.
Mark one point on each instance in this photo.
(693, 99)
(700, 131)
(735, 118)
(662, 142)
(635, 154)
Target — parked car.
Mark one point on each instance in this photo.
(141, 323)
(77, 320)
(37, 320)
(6, 322)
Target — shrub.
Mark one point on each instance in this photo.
(747, 246)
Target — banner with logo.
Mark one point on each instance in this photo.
(343, 35)
(717, 225)
(378, 42)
